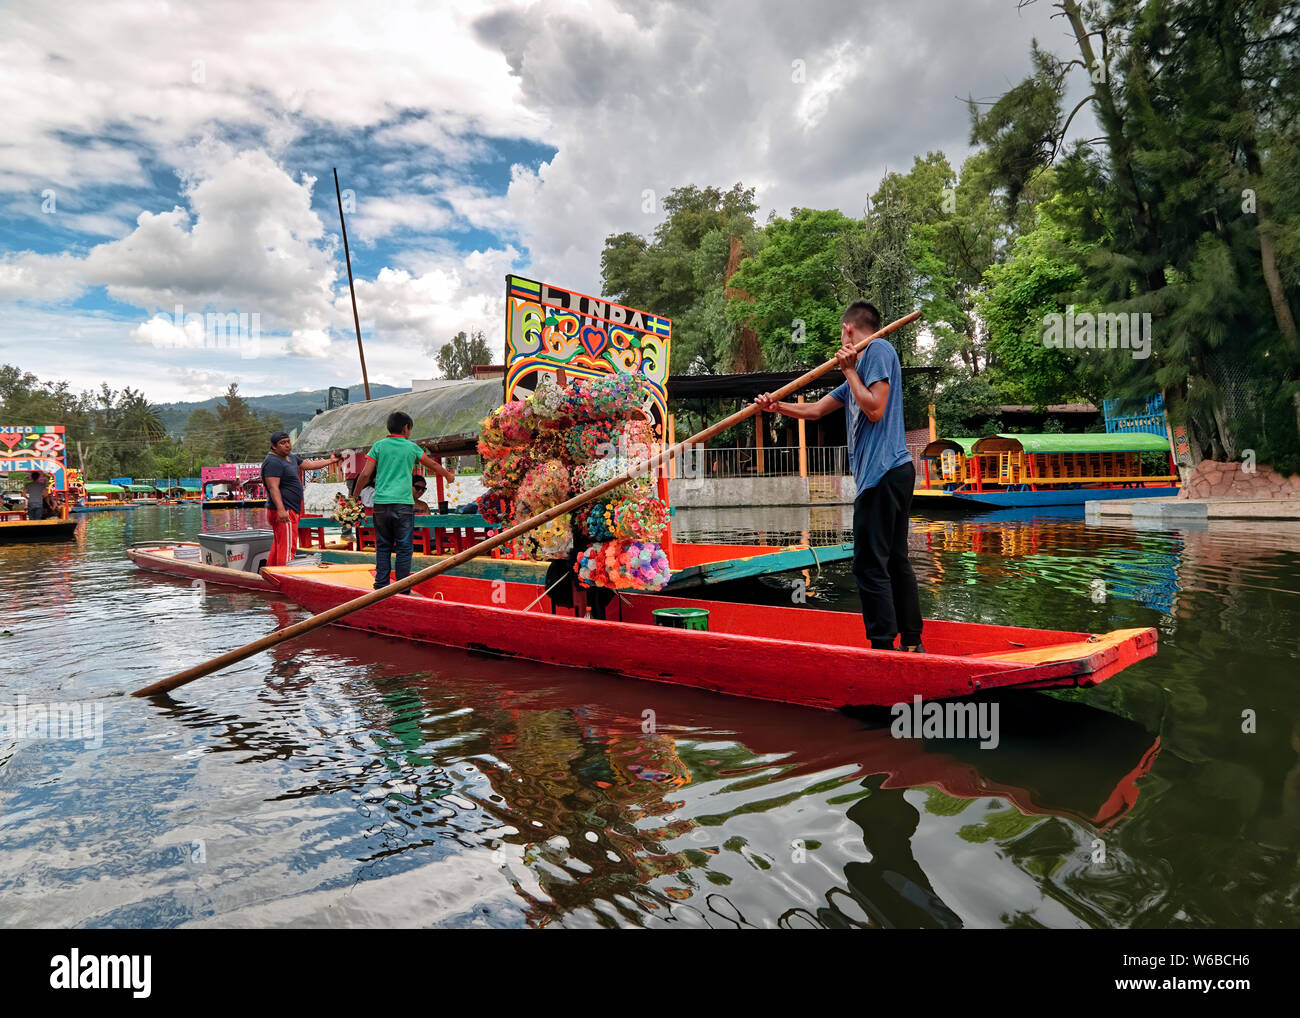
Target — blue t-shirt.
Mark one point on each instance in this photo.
(276, 465)
(875, 447)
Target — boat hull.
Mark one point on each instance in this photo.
(245, 503)
(23, 531)
(159, 559)
(820, 660)
(1032, 499)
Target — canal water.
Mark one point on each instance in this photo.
(351, 780)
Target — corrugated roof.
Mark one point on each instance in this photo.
(446, 419)
(1125, 441)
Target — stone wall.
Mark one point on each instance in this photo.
(688, 493)
(1212, 479)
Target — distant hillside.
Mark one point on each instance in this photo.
(293, 407)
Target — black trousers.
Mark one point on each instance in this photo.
(886, 583)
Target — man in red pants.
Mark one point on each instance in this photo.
(282, 479)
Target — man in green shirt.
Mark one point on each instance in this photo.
(390, 461)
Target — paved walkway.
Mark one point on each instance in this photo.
(1198, 508)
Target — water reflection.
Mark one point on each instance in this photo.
(349, 779)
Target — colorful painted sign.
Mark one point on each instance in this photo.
(26, 448)
(238, 472)
(548, 327)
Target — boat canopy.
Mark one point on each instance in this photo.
(192, 489)
(446, 419)
(1122, 441)
(104, 489)
(941, 445)
(142, 487)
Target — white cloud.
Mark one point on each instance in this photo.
(251, 244)
(38, 278)
(240, 98)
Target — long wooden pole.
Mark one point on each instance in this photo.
(347, 257)
(504, 537)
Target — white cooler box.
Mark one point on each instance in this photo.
(246, 550)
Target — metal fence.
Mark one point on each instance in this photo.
(777, 461)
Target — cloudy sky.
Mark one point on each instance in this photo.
(157, 155)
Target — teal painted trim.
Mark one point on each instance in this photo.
(773, 562)
(517, 571)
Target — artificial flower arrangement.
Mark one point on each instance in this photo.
(348, 511)
(640, 565)
(608, 397)
(545, 485)
(564, 440)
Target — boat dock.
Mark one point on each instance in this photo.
(1191, 509)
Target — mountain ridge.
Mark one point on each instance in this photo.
(293, 408)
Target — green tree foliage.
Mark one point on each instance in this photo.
(806, 271)
(1040, 278)
(679, 271)
(1184, 208)
(111, 433)
(456, 359)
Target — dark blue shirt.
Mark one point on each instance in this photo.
(290, 480)
(875, 447)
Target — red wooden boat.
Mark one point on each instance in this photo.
(792, 655)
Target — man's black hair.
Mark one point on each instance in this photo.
(862, 314)
(397, 421)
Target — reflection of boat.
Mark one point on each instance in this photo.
(792, 655)
(1031, 471)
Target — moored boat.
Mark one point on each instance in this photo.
(1031, 471)
(817, 660)
(184, 560)
(14, 531)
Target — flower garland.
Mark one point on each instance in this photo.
(517, 423)
(547, 400)
(546, 484)
(644, 519)
(595, 520)
(553, 539)
(616, 395)
(493, 508)
(504, 475)
(639, 565)
(491, 443)
(590, 440)
(588, 475)
(636, 438)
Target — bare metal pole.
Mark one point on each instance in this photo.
(347, 257)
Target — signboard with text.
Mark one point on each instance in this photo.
(548, 328)
(24, 448)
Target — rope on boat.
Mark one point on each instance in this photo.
(563, 577)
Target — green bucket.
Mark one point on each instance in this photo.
(682, 618)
